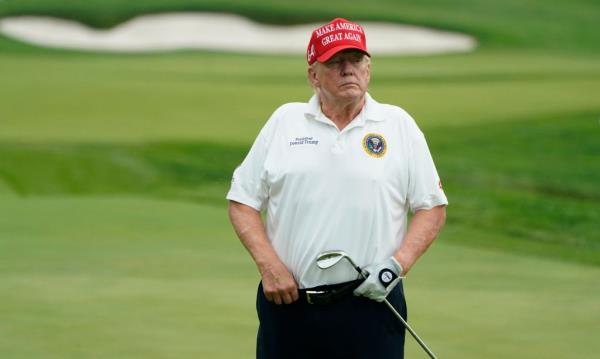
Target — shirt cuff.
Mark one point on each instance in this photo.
(244, 199)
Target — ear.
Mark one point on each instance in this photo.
(313, 76)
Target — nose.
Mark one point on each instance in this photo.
(346, 68)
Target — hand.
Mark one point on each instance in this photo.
(381, 279)
(278, 283)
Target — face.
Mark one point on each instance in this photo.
(344, 77)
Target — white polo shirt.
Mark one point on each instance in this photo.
(326, 189)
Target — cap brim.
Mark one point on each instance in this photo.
(329, 53)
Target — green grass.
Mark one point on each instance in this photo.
(226, 98)
(101, 277)
(535, 181)
(174, 170)
(557, 24)
(514, 134)
(5, 189)
(114, 240)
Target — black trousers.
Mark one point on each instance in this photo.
(353, 328)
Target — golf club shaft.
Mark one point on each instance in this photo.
(412, 332)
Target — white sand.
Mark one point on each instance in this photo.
(219, 32)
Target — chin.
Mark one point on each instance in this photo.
(352, 93)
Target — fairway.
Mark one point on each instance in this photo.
(225, 97)
(131, 278)
(114, 235)
(138, 278)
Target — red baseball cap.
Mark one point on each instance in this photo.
(337, 35)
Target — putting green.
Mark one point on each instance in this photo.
(128, 277)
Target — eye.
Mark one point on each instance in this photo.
(357, 58)
(335, 62)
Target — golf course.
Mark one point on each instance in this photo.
(114, 235)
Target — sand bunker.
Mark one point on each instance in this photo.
(174, 31)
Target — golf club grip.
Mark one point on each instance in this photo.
(410, 330)
(360, 271)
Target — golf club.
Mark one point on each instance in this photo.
(328, 259)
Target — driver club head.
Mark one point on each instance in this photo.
(328, 259)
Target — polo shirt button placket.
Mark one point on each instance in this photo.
(338, 147)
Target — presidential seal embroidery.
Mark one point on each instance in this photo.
(374, 145)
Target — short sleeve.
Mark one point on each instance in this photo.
(425, 187)
(248, 185)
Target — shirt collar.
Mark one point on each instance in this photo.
(368, 112)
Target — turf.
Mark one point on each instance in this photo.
(514, 134)
(114, 240)
(225, 98)
(100, 277)
(190, 171)
(5, 189)
(564, 26)
(534, 180)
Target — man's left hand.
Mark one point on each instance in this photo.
(381, 279)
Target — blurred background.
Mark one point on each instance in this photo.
(114, 237)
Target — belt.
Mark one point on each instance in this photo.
(328, 294)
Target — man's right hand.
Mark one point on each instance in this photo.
(278, 283)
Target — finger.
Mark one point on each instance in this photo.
(287, 298)
(361, 289)
(277, 298)
(290, 294)
(268, 294)
(295, 295)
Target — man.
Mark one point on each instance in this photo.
(340, 172)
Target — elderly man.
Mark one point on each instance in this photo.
(340, 172)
